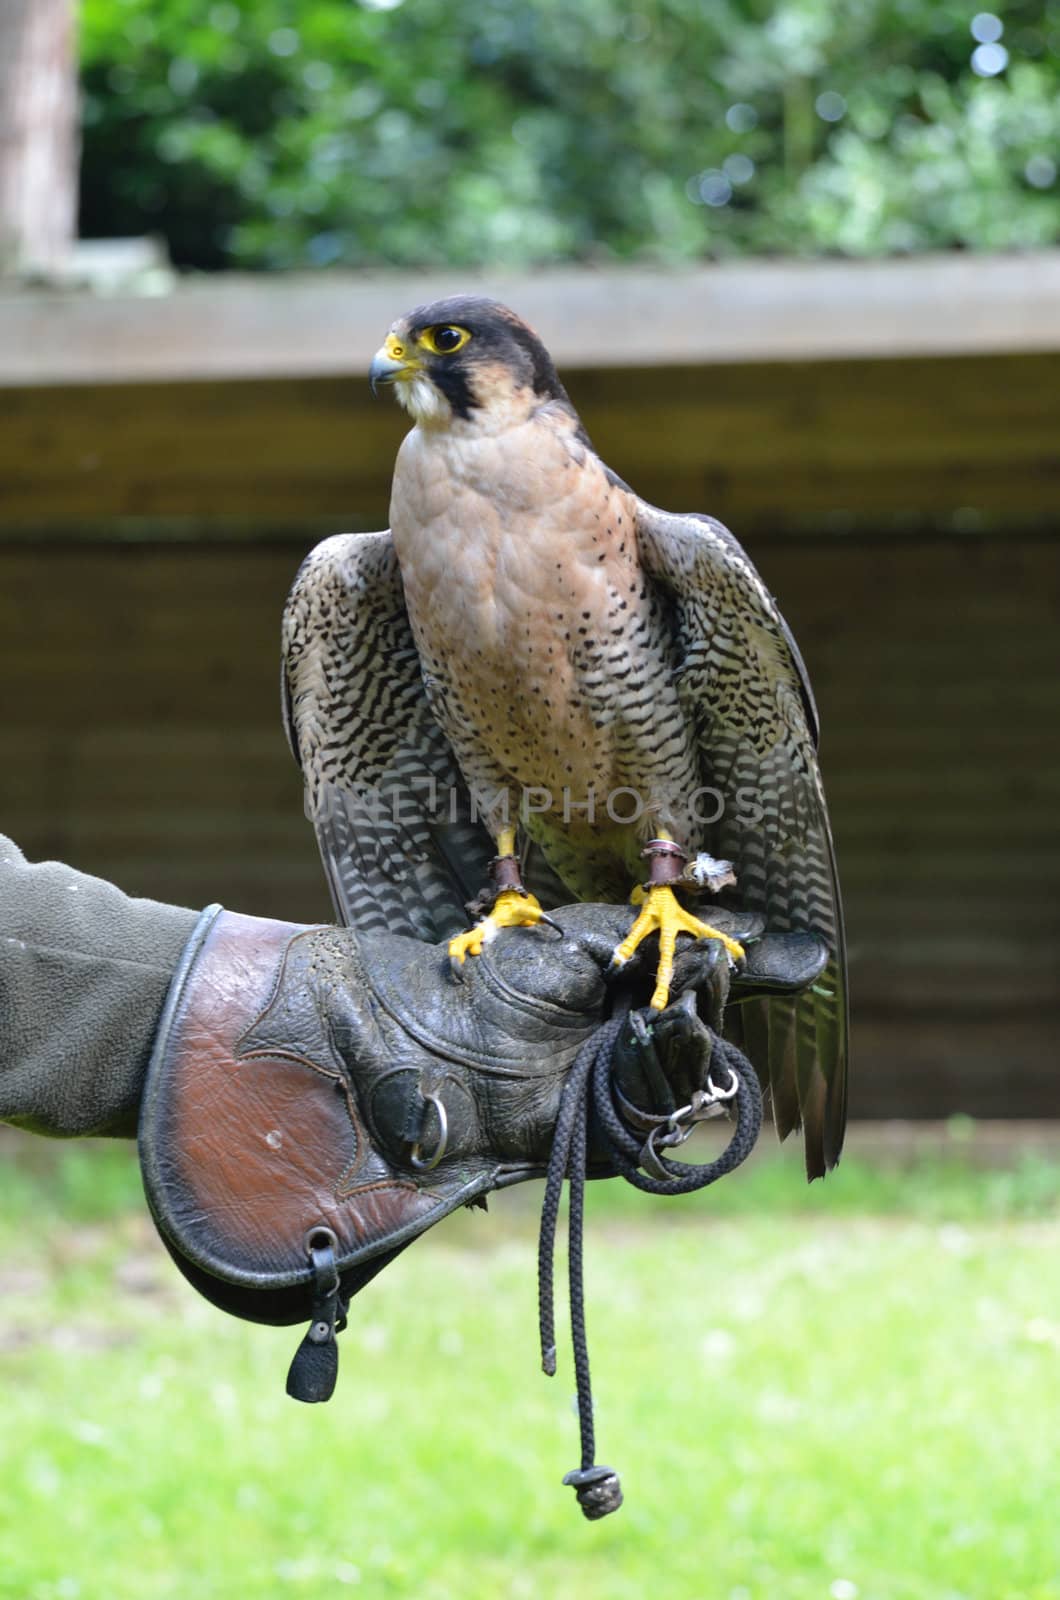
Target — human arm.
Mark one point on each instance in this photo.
(84, 973)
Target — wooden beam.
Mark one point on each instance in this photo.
(235, 327)
(963, 441)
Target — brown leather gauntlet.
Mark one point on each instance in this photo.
(316, 1099)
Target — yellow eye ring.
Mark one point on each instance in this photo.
(444, 339)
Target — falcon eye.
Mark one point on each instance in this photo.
(443, 340)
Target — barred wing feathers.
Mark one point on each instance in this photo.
(382, 787)
(745, 691)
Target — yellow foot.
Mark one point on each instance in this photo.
(664, 914)
(510, 910)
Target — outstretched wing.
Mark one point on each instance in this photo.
(745, 691)
(382, 787)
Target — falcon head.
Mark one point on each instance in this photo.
(467, 358)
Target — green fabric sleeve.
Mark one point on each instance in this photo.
(84, 972)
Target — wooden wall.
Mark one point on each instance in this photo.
(882, 435)
(141, 740)
(773, 445)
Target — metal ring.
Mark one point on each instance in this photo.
(321, 1246)
(676, 1133)
(319, 1238)
(651, 1160)
(416, 1158)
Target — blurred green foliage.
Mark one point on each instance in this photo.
(510, 132)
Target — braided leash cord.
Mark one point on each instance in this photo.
(598, 1489)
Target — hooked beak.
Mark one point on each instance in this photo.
(389, 363)
(384, 369)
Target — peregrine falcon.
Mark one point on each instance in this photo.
(536, 679)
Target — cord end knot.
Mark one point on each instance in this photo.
(598, 1489)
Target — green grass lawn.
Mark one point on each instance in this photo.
(844, 1393)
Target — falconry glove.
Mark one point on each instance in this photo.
(314, 1088)
(317, 1098)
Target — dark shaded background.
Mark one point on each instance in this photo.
(142, 735)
